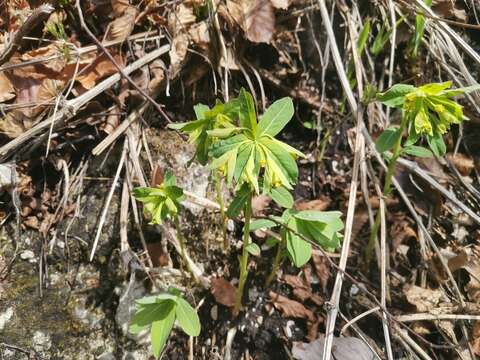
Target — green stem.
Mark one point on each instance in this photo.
(244, 258)
(387, 188)
(218, 189)
(181, 241)
(277, 261)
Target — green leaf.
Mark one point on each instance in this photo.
(253, 249)
(248, 115)
(262, 224)
(160, 331)
(187, 318)
(298, 250)
(282, 197)
(200, 111)
(149, 313)
(319, 216)
(419, 30)
(387, 139)
(417, 151)
(271, 241)
(238, 201)
(363, 37)
(222, 133)
(395, 96)
(437, 145)
(276, 117)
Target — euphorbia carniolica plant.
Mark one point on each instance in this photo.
(428, 112)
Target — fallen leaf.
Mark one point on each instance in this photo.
(157, 255)
(449, 9)
(121, 28)
(260, 22)
(255, 17)
(476, 338)
(290, 308)
(302, 289)
(401, 231)
(100, 68)
(462, 162)
(423, 299)
(319, 204)
(280, 4)
(322, 269)
(119, 6)
(223, 292)
(344, 348)
(7, 92)
(199, 34)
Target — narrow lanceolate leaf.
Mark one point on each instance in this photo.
(417, 151)
(248, 115)
(238, 201)
(437, 145)
(282, 197)
(395, 96)
(187, 318)
(160, 331)
(387, 139)
(276, 117)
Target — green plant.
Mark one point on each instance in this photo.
(57, 30)
(202, 133)
(321, 227)
(251, 157)
(162, 202)
(419, 30)
(160, 313)
(427, 112)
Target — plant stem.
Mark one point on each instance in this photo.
(277, 261)
(181, 241)
(218, 189)
(244, 258)
(387, 188)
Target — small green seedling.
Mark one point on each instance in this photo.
(321, 227)
(160, 313)
(428, 112)
(201, 133)
(162, 202)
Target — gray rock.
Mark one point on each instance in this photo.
(5, 317)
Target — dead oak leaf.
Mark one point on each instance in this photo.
(119, 7)
(290, 308)
(7, 92)
(320, 204)
(121, 28)
(462, 162)
(280, 4)
(255, 17)
(100, 68)
(223, 292)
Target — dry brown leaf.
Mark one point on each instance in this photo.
(280, 4)
(322, 269)
(158, 256)
(223, 292)
(319, 204)
(7, 92)
(255, 17)
(344, 348)
(302, 289)
(401, 231)
(100, 68)
(449, 9)
(476, 338)
(200, 35)
(462, 162)
(260, 22)
(157, 75)
(119, 7)
(290, 308)
(121, 28)
(423, 299)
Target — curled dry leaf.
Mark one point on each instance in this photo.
(223, 292)
(423, 299)
(290, 308)
(121, 28)
(158, 256)
(259, 204)
(449, 9)
(462, 162)
(476, 338)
